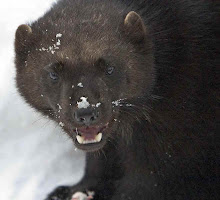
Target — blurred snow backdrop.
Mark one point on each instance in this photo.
(35, 156)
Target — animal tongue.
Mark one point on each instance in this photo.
(89, 133)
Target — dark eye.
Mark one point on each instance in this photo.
(109, 70)
(53, 76)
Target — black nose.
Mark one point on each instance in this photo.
(85, 116)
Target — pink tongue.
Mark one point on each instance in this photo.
(89, 133)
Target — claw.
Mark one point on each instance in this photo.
(83, 196)
(79, 196)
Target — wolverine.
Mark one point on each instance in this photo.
(134, 84)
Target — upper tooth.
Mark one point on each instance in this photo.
(98, 137)
(80, 139)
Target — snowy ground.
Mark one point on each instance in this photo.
(35, 156)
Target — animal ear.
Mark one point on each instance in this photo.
(22, 43)
(135, 27)
(22, 38)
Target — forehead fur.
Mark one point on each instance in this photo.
(88, 33)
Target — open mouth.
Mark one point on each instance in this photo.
(83, 140)
(90, 138)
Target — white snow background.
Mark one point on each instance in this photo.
(35, 156)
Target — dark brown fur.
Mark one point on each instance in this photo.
(161, 142)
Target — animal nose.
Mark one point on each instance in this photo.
(85, 116)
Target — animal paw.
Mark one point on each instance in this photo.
(83, 196)
(60, 193)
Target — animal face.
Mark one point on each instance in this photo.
(85, 80)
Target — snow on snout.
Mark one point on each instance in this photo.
(83, 103)
(80, 85)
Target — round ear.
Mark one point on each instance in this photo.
(22, 44)
(135, 27)
(22, 37)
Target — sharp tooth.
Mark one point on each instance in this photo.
(80, 139)
(98, 137)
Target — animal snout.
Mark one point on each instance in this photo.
(85, 116)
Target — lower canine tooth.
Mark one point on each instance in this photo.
(98, 137)
(80, 139)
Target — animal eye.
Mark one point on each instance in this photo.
(53, 76)
(109, 70)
